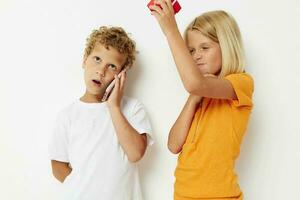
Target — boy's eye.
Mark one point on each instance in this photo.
(97, 59)
(111, 66)
(205, 48)
(191, 51)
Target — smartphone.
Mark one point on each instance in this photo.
(175, 4)
(111, 86)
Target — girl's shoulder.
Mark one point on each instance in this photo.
(242, 75)
(243, 85)
(244, 79)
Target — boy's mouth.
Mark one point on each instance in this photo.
(97, 82)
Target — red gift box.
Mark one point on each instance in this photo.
(175, 3)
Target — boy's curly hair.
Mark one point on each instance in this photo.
(114, 37)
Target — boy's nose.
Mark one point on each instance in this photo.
(101, 74)
(101, 71)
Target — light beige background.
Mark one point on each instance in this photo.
(41, 47)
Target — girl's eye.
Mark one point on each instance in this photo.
(191, 51)
(97, 59)
(205, 48)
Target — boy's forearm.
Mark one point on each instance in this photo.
(180, 129)
(189, 74)
(133, 143)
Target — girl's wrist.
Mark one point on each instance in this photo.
(194, 100)
(172, 33)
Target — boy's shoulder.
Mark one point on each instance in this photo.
(130, 101)
(129, 104)
(66, 110)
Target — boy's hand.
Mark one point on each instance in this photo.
(164, 14)
(114, 100)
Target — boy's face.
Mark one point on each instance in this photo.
(205, 52)
(100, 67)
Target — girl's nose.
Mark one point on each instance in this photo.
(198, 55)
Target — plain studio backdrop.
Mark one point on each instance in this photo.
(41, 49)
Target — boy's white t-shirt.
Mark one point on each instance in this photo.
(84, 136)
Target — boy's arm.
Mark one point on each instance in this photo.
(60, 170)
(180, 129)
(133, 143)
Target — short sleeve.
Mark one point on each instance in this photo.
(58, 145)
(140, 122)
(243, 86)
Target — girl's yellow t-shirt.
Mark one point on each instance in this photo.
(205, 167)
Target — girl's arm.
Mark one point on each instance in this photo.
(60, 170)
(193, 81)
(180, 129)
(133, 143)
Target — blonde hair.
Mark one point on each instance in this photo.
(114, 37)
(221, 27)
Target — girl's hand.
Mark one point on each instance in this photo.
(194, 99)
(114, 100)
(165, 16)
(197, 99)
(210, 75)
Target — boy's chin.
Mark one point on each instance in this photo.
(98, 93)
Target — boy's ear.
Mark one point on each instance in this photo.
(83, 63)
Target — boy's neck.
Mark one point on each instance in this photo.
(91, 98)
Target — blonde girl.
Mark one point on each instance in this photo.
(209, 130)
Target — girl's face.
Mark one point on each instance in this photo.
(205, 52)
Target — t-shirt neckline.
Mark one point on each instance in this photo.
(91, 105)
